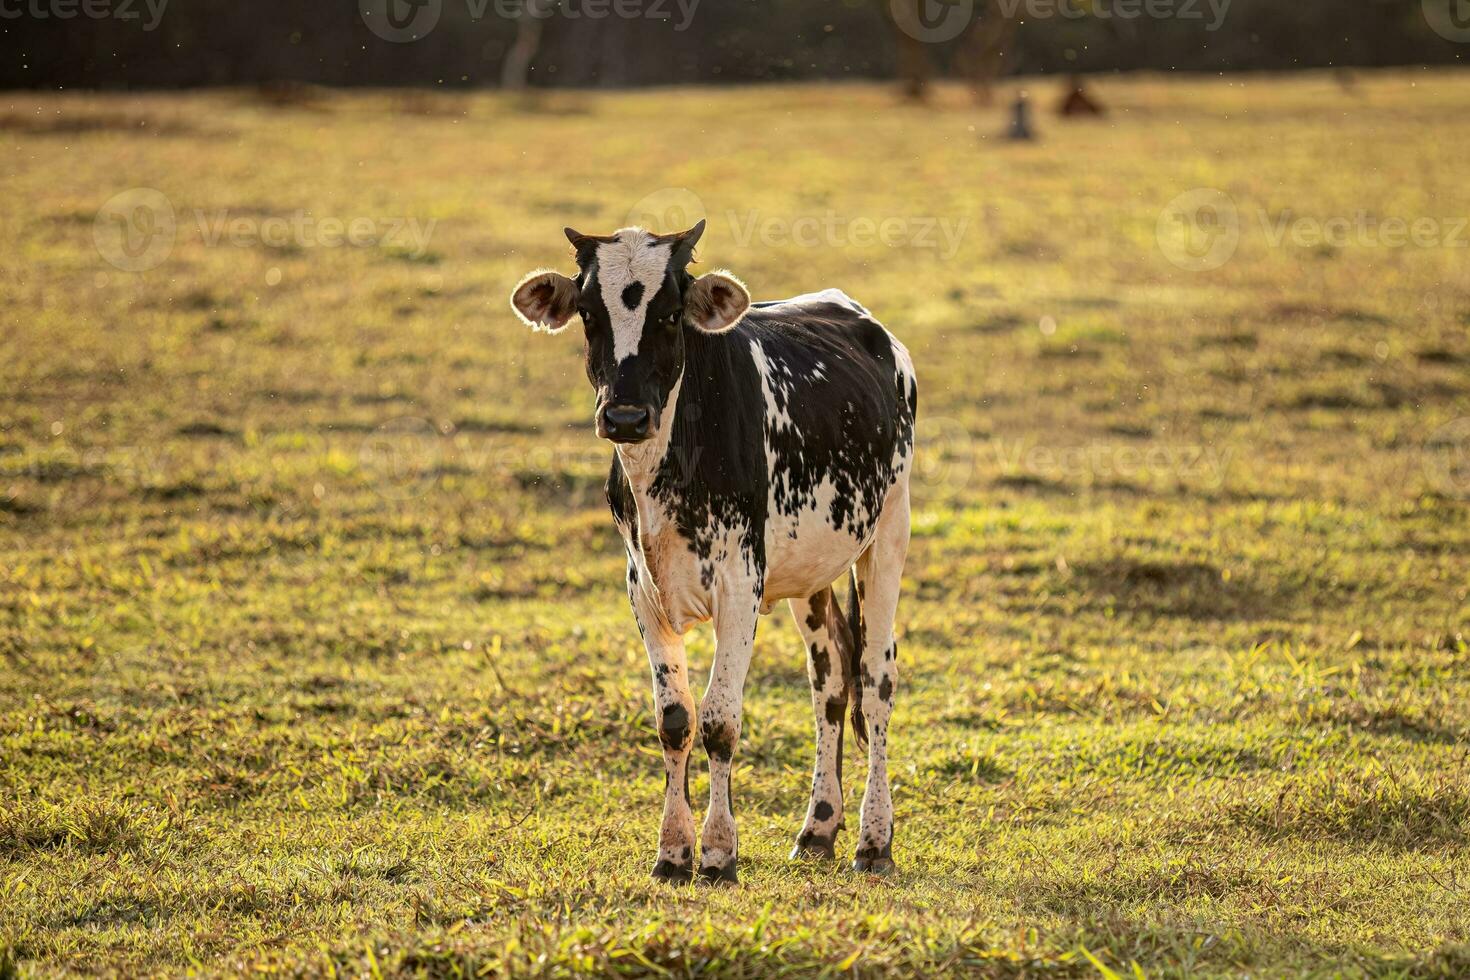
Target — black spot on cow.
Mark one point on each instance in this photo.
(885, 689)
(822, 811)
(821, 665)
(816, 616)
(719, 741)
(673, 727)
(834, 710)
(632, 294)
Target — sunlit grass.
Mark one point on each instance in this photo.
(313, 644)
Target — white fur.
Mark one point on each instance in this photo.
(621, 263)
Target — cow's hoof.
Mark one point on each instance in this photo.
(671, 872)
(810, 847)
(874, 865)
(715, 875)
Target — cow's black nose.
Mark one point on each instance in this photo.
(625, 422)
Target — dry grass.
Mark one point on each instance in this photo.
(313, 647)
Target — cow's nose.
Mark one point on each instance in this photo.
(625, 422)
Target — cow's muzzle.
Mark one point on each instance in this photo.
(624, 423)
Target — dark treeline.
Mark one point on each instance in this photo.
(167, 43)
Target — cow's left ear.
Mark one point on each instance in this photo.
(716, 302)
(545, 300)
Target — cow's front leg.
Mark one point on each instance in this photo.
(674, 711)
(719, 717)
(879, 570)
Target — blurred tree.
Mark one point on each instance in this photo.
(983, 57)
(515, 70)
(648, 42)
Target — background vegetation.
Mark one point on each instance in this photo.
(142, 44)
(313, 646)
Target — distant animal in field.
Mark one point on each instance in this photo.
(1077, 102)
(761, 452)
(1020, 128)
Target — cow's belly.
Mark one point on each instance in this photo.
(805, 553)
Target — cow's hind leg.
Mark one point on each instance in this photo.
(879, 570)
(828, 651)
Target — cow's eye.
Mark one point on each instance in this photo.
(672, 320)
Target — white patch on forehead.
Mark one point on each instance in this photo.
(621, 263)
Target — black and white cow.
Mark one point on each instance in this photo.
(762, 452)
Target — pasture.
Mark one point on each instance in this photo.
(314, 648)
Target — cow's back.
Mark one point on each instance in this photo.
(840, 398)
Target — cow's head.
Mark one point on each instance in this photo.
(637, 302)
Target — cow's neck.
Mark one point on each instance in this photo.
(642, 462)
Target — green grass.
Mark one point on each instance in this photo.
(314, 652)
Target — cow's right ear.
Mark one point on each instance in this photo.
(545, 300)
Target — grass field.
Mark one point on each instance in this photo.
(314, 652)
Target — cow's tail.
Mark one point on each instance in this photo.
(852, 660)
